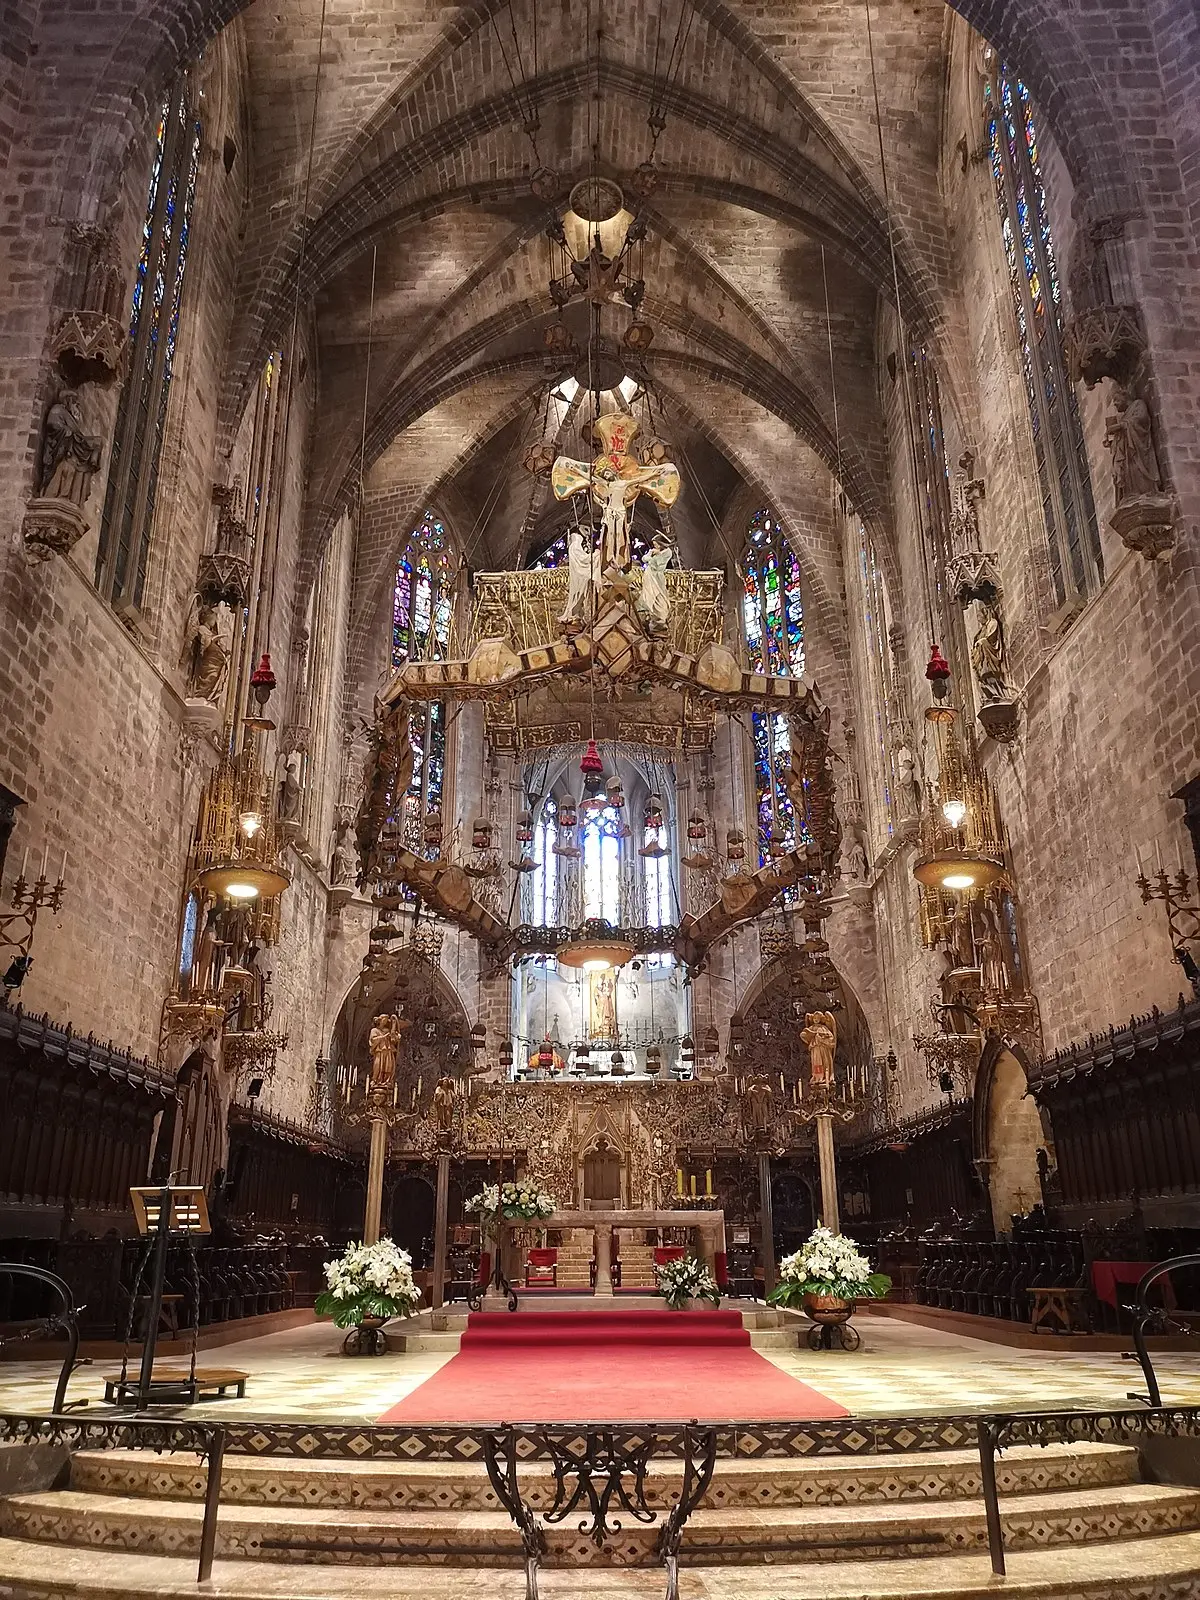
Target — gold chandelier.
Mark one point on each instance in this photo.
(962, 849)
(237, 849)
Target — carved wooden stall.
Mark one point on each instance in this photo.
(77, 1127)
(1125, 1111)
(285, 1175)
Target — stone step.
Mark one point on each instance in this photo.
(1162, 1568)
(721, 1535)
(401, 1485)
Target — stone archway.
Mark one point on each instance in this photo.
(1009, 1132)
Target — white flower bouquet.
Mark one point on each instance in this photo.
(830, 1265)
(515, 1202)
(686, 1279)
(368, 1281)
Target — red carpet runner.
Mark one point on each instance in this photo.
(609, 1366)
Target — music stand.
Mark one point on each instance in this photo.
(162, 1211)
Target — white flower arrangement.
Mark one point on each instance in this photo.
(828, 1264)
(515, 1202)
(368, 1280)
(686, 1279)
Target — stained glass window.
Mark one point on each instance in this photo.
(132, 489)
(773, 625)
(422, 603)
(602, 864)
(1076, 564)
(876, 624)
(542, 907)
(421, 610)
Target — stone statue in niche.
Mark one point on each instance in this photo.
(990, 944)
(1129, 436)
(341, 863)
(854, 857)
(907, 778)
(1144, 517)
(652, 605)
(70, 457)
(987, 654)
(604, 1006)
(289, 789)
(207, 650)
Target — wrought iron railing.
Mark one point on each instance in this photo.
(600, 1470)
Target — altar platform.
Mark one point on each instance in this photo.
(902, 1367)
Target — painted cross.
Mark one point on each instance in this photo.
(615, 479)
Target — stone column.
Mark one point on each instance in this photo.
(379, 1135)
(437, 1286)
(829, 1196)
(766, 1221)
(603, 1236)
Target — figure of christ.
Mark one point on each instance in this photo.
(615, 480)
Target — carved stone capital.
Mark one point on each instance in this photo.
(201, 718)
(1147, 523)
(1104, 341)
(52, 528)
(90, 347)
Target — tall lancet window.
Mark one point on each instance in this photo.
(128, 514)
(773, 624)
(601, 844)
(1076, 564)
(422, 605)
(541, 907)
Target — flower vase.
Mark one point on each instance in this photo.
(828, 1309)
(366, 1338)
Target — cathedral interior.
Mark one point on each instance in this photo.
(604, 597)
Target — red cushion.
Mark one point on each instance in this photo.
(542, 1258)
(485, 1265)
(669, 1252)
(722, 1270)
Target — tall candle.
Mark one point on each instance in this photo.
(693, 1185)
(708, 1182)
(45, 859)
(679, 1181)
(25, 861)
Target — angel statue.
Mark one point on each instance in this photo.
(653, 606)
(820, 1035)
(385, 1047)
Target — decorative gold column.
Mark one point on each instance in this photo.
(828, 1169)
(437, 1286)
(378, 1160)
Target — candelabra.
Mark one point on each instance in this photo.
(17, 926)
(1183, 919)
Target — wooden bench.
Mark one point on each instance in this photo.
(211, 1383)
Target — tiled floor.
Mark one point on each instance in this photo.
(901, 1368)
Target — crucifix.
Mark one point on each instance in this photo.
(615, 479)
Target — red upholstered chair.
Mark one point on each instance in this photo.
(668, 1252)
(541, 1266)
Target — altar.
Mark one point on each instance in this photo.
(709, 1225)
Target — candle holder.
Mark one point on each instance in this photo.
(1183, 917)
(17, 926)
